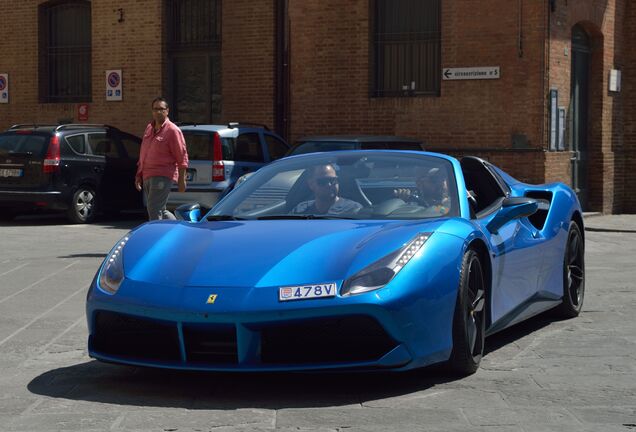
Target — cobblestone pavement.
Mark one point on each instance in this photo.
(574, 375)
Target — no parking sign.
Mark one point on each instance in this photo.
(113, 85)
(4, 88)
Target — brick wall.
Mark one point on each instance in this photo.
(330, 79)
(133, 45)
(602, 20)
(629, 96)
(330, 76)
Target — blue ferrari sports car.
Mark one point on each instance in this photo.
(342, 260)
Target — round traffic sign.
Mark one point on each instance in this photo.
(3, 83)
(113, 79)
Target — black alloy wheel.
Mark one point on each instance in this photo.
(83, 205)
(469, 321)
(573, 274)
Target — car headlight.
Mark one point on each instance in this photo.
(112, 273)
(381, 272)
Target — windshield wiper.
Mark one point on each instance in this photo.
(223, 218)
(302, 216)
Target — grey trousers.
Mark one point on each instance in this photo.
(156, 190)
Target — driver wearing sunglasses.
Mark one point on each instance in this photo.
(323, 182)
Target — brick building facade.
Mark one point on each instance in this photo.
(310, 67)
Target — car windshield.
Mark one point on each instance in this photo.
(346, 185)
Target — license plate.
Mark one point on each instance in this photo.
(6, 172)
(303, 292)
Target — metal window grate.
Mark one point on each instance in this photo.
(406, 47)
(65, 51)
(193, 23)
(193, 47)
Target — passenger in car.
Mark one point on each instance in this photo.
(323, 182)
(431, 192)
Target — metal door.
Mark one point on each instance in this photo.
(579, 108)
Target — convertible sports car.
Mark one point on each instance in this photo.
(342, 260)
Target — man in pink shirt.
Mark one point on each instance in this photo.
(163, 159)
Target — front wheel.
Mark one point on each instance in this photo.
(83, 205)
(573, 274)
(469, 320)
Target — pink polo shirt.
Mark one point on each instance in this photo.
(163, 152)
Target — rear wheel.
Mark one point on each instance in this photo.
(83, 205)
(573, 274)
(469, 321)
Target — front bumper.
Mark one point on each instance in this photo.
(359, 332)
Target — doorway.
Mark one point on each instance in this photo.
(579, 109)
(194, 59)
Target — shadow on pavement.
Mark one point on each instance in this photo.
(120, 221)
(100, 382)
(85, 255)
(107, 383)
(518, 331)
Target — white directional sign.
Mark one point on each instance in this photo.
(471, 73)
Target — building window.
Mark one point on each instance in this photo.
(65, 51)
(406, 47)
(194, 59)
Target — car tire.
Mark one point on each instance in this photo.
(573, 274)
(83, 206)
(469, 320)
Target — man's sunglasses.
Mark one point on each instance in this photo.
(327, 181)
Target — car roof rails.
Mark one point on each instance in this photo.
(232, 125)
(82, 126)
(30, 125)
(186, 123)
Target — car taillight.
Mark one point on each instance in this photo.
(52, 158)
(218, 170)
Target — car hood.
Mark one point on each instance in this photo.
(261, 253)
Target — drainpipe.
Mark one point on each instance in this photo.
(281, 68)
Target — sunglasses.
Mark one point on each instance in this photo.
(326, 181)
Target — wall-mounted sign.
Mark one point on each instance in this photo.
(114, 85)
(471, 73)
(615, 80)
(554, 119)
(561, 142)
(4, 88)
(82, 112)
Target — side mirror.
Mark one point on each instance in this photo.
(512, 208)
(188, 212)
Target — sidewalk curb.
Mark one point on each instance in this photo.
(609, 230)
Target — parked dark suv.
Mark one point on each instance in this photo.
(77, 168)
